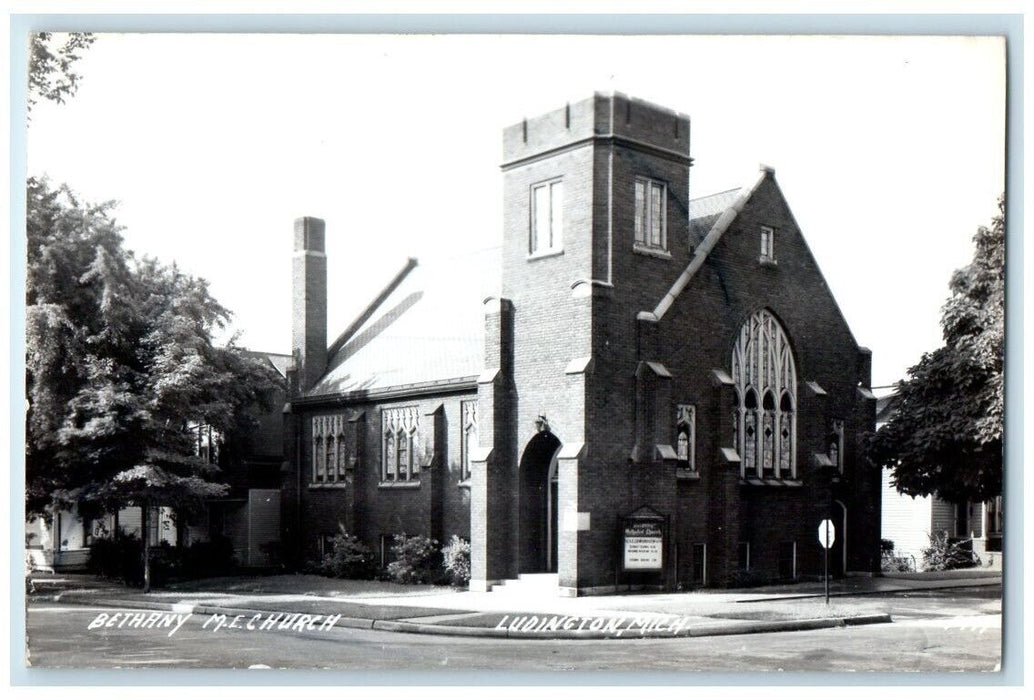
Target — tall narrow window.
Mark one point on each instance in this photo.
(402, 454)
(331, 459)
(685, 439)
(836, 445)
(651, 199)
(765, 431)
(389, 457)
(767, 244)
(547, 220)
(469, 439)
(319, 458)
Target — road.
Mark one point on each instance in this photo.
(933, 632)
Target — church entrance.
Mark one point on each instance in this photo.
(537, 535)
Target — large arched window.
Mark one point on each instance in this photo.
(765, 428)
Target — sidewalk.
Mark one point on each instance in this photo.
(437, 610)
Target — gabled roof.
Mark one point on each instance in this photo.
(429, 328)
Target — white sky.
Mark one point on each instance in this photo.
(890, 152)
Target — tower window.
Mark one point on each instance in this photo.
(651, 198)
(547, 221)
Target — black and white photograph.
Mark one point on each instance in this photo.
(512, 352)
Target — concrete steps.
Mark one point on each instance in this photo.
(530, 585)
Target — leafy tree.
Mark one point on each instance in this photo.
(120, 362)
(51, 74)
(947, 433)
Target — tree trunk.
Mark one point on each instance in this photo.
(145, 527)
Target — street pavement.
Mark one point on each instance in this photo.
(853, 601)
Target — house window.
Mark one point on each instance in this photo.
(836, 445)
(764, 431)
(767, 244)
(651, 199)
(328, 449)
(685, 439)
(399, 426)
(700, 564)
(547, 221)
(469, 438)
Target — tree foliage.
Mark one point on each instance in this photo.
(946, 435)
(120, 360)
(51, 65)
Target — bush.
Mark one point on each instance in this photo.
(456, 561)
(417, 560)
(348, 558)
(886, 547)
(211, 558)
(122, 560)
(944, 553)
(119, 559)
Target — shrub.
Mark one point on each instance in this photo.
(890, 562)
(417, 560)
(122, 560)
(348, 558)
(118, 559)
(886, 547)
(944, 554)
(211, 558)
(456, 560)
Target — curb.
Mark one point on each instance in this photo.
(705, 630)
(891, 591)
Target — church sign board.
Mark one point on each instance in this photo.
(643, 541)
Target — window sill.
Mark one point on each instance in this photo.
(766, 261)
(754, 481)
(685, 474)
(551, 253)
(651, 252)
(331, 485)
(414, 484)
(464, 484)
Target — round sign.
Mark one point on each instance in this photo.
(827, 533)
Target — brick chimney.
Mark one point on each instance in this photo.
(309, 309)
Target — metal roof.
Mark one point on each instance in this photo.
(430, 328)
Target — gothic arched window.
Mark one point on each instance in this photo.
(765, 431)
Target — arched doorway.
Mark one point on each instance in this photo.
(538, 505)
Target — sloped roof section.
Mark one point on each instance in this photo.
(280, 362)
(704, 211)
(430, 328)
(717, 212)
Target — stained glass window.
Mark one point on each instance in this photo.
(763, 364)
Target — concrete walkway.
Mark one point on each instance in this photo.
(463, 613)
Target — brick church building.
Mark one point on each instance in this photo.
(638, 390)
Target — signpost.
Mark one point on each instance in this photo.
(827, 535)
